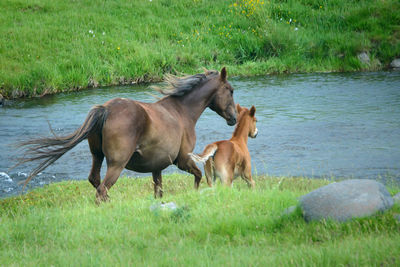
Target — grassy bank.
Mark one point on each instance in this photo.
(60, 225)
(53, 46)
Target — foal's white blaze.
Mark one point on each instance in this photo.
(255, 133)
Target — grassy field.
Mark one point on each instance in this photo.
(60, 225)
(53, 46)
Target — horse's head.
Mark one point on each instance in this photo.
(222, 102)
(245, 114)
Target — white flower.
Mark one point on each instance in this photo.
(290, 20)
(104, 33)
(296, 29)
(90, 31)
(94, 35)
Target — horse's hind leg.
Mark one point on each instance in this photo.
(97, 160)
(94, 176)
(110, 179)
(118, 150)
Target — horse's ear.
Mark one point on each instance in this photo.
(252, 111)
(238, 108)
(223, 74)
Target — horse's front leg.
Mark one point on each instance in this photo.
(157, 180)
(188, 165)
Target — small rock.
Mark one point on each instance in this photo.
(163, 206)
(345, 200)
(396, 198)
(395, 63)
(93, 83)
(289, 210)
(364, 57)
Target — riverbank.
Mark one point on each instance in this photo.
(60, 225)
(48, 47)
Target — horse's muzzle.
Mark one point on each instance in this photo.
(231, 121)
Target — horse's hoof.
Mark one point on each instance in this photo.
(100, 199)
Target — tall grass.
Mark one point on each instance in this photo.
(53, 46)
(60, 225)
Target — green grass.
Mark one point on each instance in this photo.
(61, 225)
(54, 46)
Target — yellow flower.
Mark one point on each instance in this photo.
(118, 48)
(235, 4)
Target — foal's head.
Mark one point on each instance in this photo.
(246, 115)
(222, 102)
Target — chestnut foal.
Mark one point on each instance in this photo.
(231, 158)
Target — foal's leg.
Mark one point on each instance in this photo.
(227, 177)
(246, 175)
(157, 180)
(208, 169)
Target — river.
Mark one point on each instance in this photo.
(342, 125)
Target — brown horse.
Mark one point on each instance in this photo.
(143, 137)
(231, 158)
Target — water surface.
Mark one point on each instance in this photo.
(314, 125)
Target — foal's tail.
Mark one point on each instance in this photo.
(50, 149)
(208, 152)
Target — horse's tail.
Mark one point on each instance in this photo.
(208, 152)
(50, 149)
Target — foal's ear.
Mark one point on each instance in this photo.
(238, 108)
(252, 111)
(223, 74)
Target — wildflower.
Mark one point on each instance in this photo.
(104, 33)
(296, 29)
(91, 31)
(235, 4)
(118, 48)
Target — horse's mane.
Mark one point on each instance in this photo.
(179, 86)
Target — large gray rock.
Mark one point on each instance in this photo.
(396, 198)
(345, 200)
